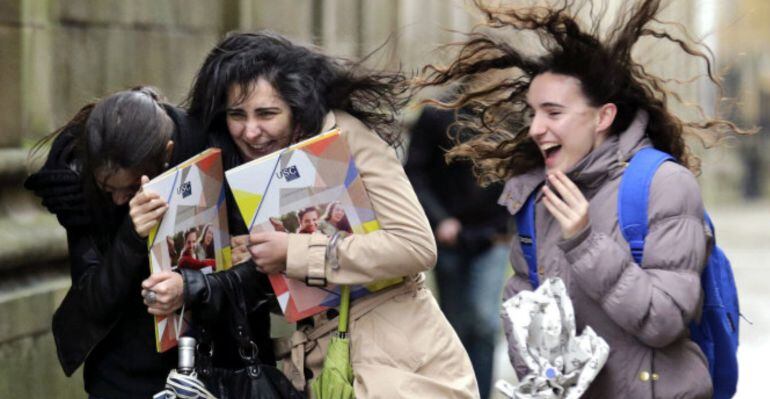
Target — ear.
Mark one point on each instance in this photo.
(606, 116)
(169, 151)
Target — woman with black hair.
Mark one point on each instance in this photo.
(257, 93)
(92, 171)
(562, 128)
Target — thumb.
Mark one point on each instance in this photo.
(154, 278)
(145, 179)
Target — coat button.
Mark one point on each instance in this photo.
(655, 376)
(644, 376)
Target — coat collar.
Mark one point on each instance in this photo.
(330, 122)
(607, 161)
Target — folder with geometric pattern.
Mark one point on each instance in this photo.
(286, 190)
(193, 232)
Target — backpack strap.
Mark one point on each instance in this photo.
(633, 197)
(525, 226)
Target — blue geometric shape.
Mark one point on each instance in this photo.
(352, 173)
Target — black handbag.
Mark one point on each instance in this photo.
(255, 380)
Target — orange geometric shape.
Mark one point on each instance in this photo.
(320, 146)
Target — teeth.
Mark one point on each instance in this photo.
(549, 147)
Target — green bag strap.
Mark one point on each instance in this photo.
(342, 327)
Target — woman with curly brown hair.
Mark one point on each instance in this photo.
(562, 128)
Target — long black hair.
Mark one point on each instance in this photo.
(311, 83)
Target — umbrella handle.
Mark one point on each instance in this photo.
(342, 327)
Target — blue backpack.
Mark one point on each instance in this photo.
(717, 332)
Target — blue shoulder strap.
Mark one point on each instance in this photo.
(525, 226)
(633, 197)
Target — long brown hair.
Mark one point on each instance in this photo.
(501, 147)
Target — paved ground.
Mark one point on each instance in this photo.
(743, 232)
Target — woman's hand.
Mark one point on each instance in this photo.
(571, 210)
(168, 289)
(268, 250)
(239, 249)
(146, 210)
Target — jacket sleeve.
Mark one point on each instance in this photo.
(204, 293)
(654, 302)
(403, 246)
(103, 282)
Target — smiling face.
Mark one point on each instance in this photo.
(564, 125)
(260, 122)
(209, 237)
(191, 241)
(308, 223)
(337, 213)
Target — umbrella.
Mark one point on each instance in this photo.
(336, 379)
(183, 386)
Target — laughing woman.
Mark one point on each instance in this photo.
(257, 93)
(562, 128)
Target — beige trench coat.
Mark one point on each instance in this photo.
(401, 344)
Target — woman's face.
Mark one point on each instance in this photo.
(120, 185)
(209, 237)
(261, 122)
(337, 213)
(191, 241)
(564, 125)
(309, 222)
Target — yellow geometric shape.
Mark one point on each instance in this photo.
(227, 257)
(371, 226)
(378, 285)
(247, 204)
(151, 237)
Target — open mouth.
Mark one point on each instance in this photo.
(551, 151)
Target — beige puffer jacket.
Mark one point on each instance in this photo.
(642, 312)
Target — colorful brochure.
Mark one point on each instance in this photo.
(312, 186)
(193, 232)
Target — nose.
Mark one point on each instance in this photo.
(121, 197)
(536, 127)
(253, 129)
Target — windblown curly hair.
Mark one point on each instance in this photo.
(500, 147)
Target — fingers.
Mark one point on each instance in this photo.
(259, 237)
(239, 240)
(165, 295)
(146, 211)
(572, 212)
(566, 188)
(555, 205)
(154, 278)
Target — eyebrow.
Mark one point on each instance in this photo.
(228, 109)
(550, 105)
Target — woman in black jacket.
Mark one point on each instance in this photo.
(92, 171)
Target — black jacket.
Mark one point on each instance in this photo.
(102, 320)
(204, 293)
(447, 191)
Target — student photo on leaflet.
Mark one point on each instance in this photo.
(334, 220)
(563, 127)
